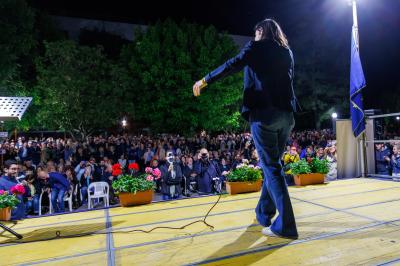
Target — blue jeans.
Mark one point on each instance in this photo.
(32, 204)
(270, 136)
(57, 199)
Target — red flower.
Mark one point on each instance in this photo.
(116, 166)
(133, 166)
(18, 189)
(116, 169)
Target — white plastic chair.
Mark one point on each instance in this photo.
(40, 202)
(98, 190)
(68, 197)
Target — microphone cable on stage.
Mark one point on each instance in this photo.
(58, 234)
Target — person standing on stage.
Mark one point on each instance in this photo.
(268, 104)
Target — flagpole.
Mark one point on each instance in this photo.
(355, 19)
(362, 139)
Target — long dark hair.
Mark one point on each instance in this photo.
(272, 31)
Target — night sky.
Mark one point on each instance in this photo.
(379, 25)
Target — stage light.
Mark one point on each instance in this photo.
(334, 115)
(397, 118)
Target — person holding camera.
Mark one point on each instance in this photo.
(206, 171)
(171, 178)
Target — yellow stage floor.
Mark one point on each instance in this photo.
(347, 222)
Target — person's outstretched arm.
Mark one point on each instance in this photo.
(231, 66)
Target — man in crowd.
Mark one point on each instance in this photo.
(8, 181)
(206, 171)
(59, 185)
(382, 158)
(189, 174)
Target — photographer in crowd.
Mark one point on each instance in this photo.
(206, 171)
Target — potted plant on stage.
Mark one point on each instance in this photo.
(8, 201)
(245, 178)
(136, 190)
(310, 172)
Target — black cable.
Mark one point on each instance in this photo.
(60, 236)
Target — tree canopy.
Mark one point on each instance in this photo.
(163, 64)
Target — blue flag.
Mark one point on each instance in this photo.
(357, 83)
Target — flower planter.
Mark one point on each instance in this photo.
(5, 214)
(140, 198)
(309, 179)
(243, 187)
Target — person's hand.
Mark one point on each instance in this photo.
(386, 158)
(198, 86)
(170, 168)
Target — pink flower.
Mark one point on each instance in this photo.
(149, 178)
(157, 173)
(148, 170)
(18, 189)
(2, 192)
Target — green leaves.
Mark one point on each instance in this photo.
(83, 90)
(8, 200)
(127, 183)
(16, 36)
(164, 63)
(314, 166)
(300, 167)
(245, 174)
(320, 166)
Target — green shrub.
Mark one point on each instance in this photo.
(319, 166)
(8, 200)
(245, 173)
(300, 167)
(127, 183)
(314, 166)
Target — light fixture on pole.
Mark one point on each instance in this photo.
(124, 124)
(334, 118)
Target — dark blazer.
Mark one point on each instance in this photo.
(268, 76)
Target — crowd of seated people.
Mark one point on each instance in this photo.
(60, 167)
